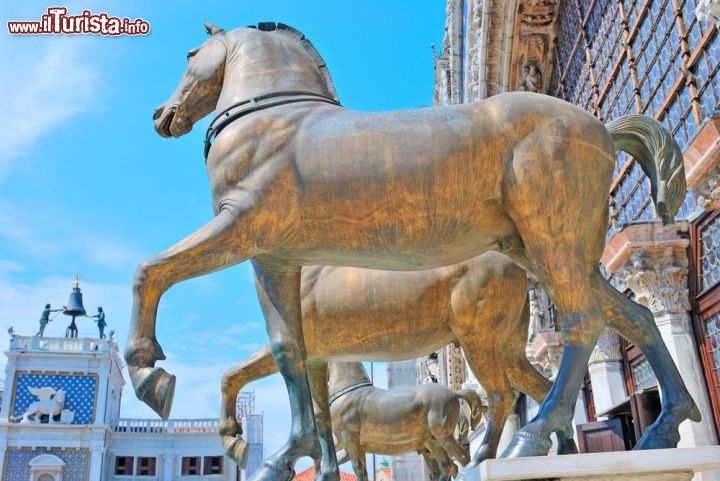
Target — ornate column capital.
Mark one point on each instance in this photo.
(607, 348)
(708, 191)
(659, 279)
(545, 353)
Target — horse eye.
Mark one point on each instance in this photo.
(191, 53)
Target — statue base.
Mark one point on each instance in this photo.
(653, 465)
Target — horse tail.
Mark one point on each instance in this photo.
(472, 398)
(659, 156)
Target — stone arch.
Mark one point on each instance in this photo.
(46, 467)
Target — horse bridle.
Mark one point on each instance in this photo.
(349, 388)
(262, 102)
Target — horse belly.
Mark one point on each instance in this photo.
(406, 239)
(361, 314)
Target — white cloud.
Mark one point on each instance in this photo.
(44, 84)
(46, 80)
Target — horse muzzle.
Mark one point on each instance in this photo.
(168, 123)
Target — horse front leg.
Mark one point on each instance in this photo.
(278, 288)
(327, 470)
(260, 364)
(209, 249)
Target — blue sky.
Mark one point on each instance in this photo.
(87, 186)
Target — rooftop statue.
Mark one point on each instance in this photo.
(45, 319)
(298, 180)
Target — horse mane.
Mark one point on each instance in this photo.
(298, 36)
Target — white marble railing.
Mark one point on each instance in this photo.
(62, 344)
(158, 426)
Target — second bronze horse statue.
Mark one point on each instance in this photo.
(352, 314)
(298, 180)
(419, 419)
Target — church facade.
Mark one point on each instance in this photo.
(614, 57)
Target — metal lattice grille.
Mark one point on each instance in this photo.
(647, 56)
(713, 331)
(709, 271)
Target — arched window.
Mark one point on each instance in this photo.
(46, 467)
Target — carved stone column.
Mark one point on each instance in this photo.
(606, 372)
(456, 369)
(97, 454)
(657, 274)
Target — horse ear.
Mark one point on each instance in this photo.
(212, 29)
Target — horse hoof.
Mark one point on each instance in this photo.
(236, 449)
(271, 472)
(694, 414)
(481, 455)
(155, 387)
(328, 476)
(526, 444)
(566, 445)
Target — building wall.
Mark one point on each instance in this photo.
(613, 58)
(17, 463)
(86, 448)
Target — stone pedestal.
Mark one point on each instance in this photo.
(654, 465)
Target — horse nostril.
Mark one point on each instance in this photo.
(158, 113)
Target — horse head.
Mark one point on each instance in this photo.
(238, 66)
(199, 89)
(59, 397)
(344, 376)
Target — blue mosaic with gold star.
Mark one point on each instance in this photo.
(80, 393)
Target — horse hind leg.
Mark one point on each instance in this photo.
(442, 419)
(351, 441)
(432, 465)
(486, 308)
(445, 465)
(524, 377)
(636, 323)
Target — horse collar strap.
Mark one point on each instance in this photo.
(242, 108)
(338, 394)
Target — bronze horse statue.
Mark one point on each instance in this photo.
(353, 314)
(297, 180)
(420, 419)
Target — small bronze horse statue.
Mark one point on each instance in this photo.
(420, 419)
(352, 314)
(298, 180)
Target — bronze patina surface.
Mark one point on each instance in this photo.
(352, 314)
(312, 183)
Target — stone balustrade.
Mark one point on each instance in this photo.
(158, 426)
(60, 344)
